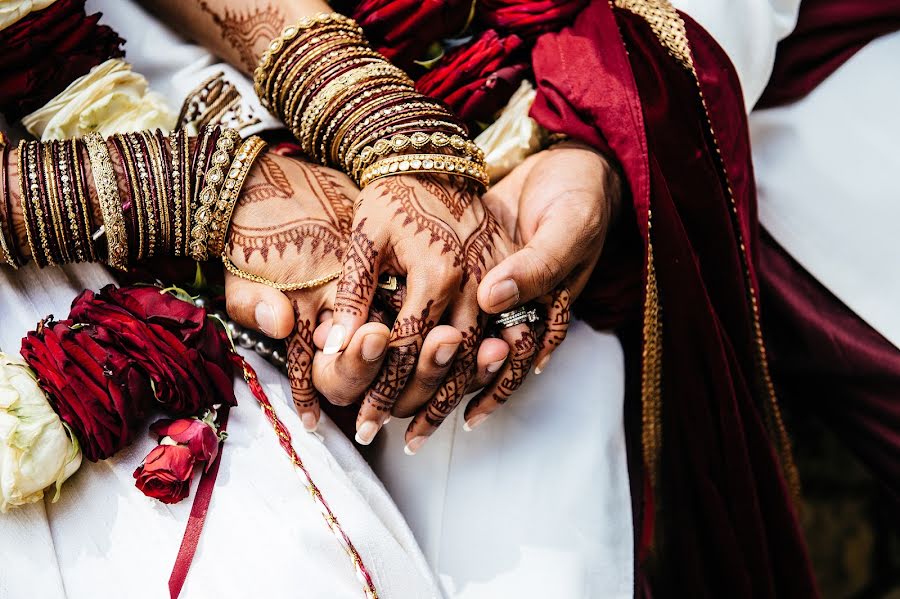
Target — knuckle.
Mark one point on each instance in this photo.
(545, 269)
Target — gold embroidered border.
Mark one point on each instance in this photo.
(669, 28)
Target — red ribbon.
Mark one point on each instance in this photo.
(196, 520)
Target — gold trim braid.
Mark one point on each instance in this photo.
(669, 28)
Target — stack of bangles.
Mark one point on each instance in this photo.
(179, 196)
(353, 110)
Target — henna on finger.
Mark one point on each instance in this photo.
(356, 286)
(457, 382)
(557, 324)
(523, 349)
(301, 351)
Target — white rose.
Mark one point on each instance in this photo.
(513, 137)
(12, 11)
(36, 449)
(110, 99)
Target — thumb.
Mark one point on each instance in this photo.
(533, 271)
(258, 307)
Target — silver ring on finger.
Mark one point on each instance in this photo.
(520, 315)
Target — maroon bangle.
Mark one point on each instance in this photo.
(129, 210)
(78, 155)
(15, 253)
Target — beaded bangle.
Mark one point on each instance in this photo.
(412, 164)
(237, 173)
(212, 181)
(110, 202)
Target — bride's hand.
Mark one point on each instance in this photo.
(291, 225)
(434, 231)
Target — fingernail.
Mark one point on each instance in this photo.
(503, 295)
(310, 423)
(413, 446)
(495, 366)
(265, 318)
(386, 420)
(335, 339)
(468, 425)
(373, 346)
(445, 353)
(366, 432)
(542, 364)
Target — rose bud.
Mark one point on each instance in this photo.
(529, 18)
(166, 473)
(98, 391)
(36, 450)
(198, 435)
(478, 79)
(403, 30)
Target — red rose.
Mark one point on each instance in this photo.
(166, 473)
(403, 30)
(47, 50)
(97, 390)
(477, 80)
(529, 18)
(182, 351)
(199, 437)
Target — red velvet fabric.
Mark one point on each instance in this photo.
(827, 34)
(829, 364)
(729, 529)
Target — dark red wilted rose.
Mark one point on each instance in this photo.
(97, 390)
(47, 50)
(199, 436)
(403, 30)
(529, 18)
(477, 80)
(183, 352)
(166, 473)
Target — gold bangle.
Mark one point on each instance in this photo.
(212, 181)
(110, 203)
(84, 199)
(231, 191)
(420, 140)
(284, 287)
(414, 164)
(57, 228)
(283, 41)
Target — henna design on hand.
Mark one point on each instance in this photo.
(455, 386)
(407, 338)
(412, 211)
(359, 280)
(521, 356)
(244, 31)
(275, 183)
(558, 317)
(456, 197)
(299, 360)
(478, 248)
(327, 235)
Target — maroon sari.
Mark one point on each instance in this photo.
(665, 101)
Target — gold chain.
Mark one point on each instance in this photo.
(233, 269)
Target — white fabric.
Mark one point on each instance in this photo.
(826, 169)
(535, 501)
(748, 31)
(264, 537)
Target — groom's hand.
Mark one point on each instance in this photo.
(558, 205)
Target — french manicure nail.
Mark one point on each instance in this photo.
(495, 366)
(468, 425)
(373, 346)
(414, 445)
(542, 364)
(503, 295)
(309, 422)
(335, 339)
(367, 432)
(444, 353)
(265, 318)
(386, 420)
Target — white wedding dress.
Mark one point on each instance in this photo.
(534, 503)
